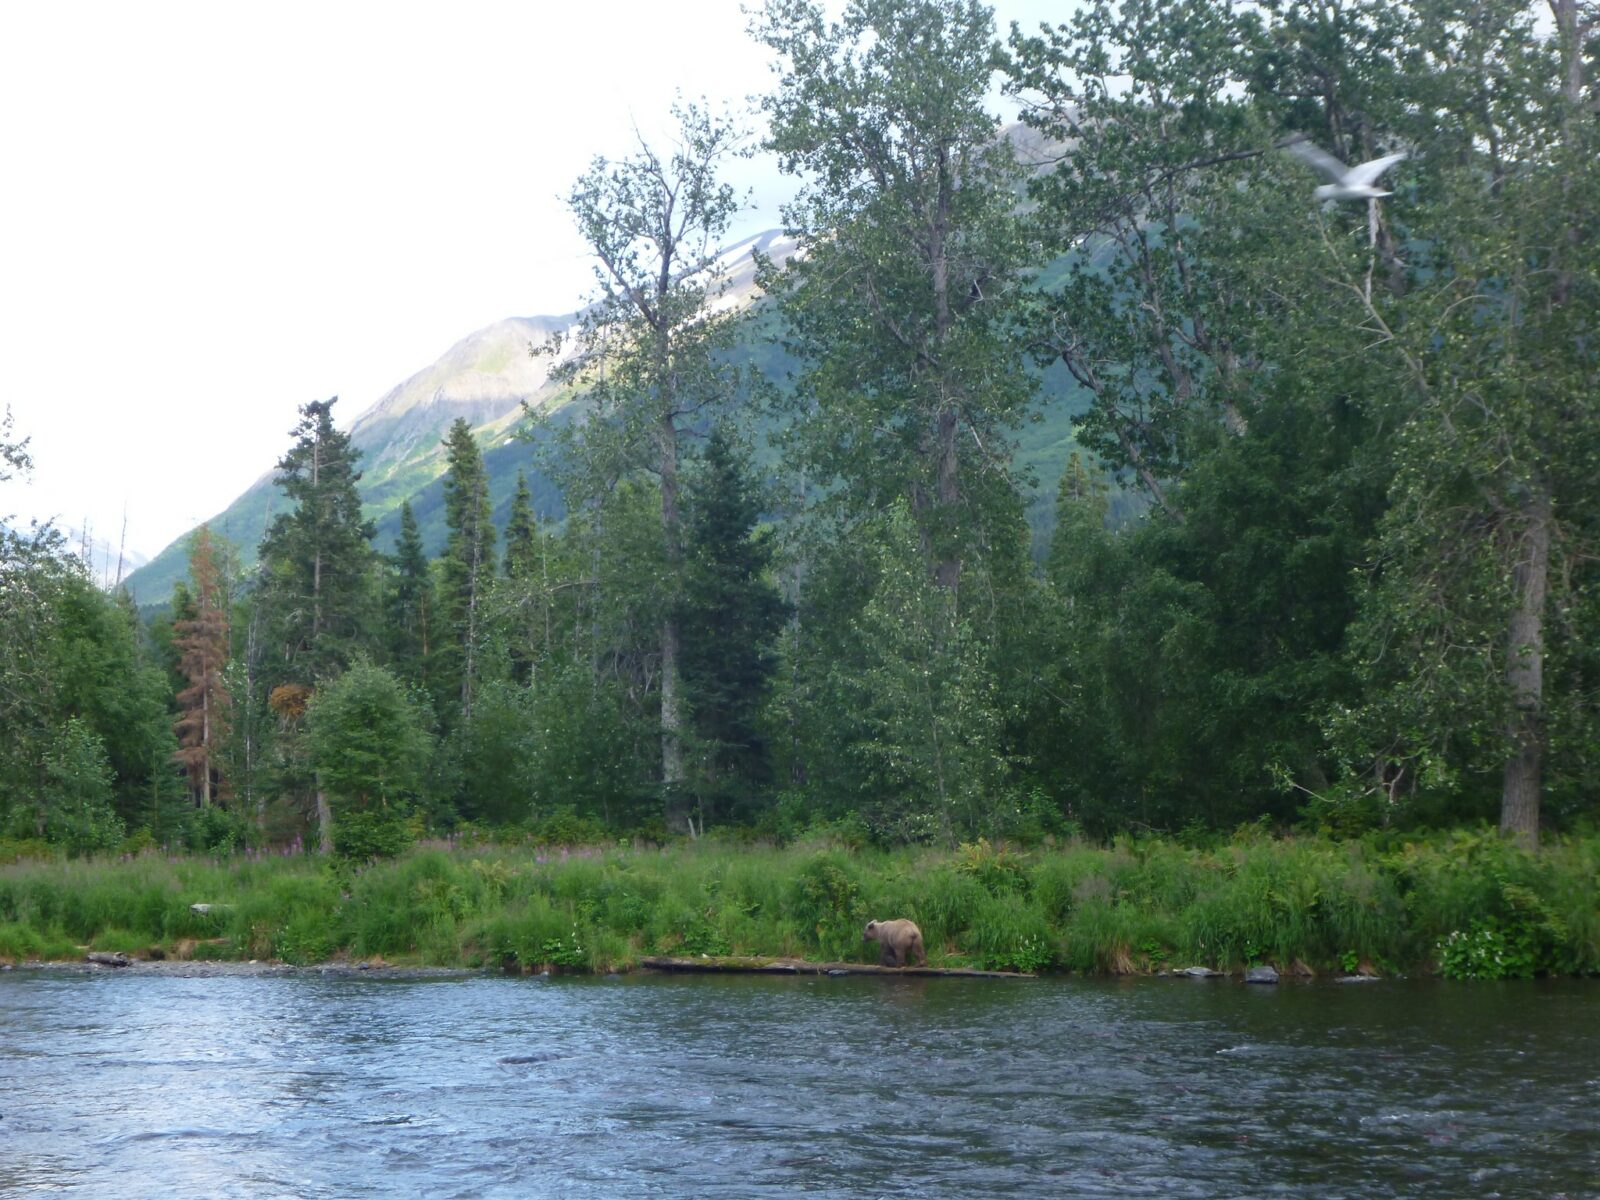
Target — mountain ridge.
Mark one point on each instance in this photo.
(484, 377)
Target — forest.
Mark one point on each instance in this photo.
(1322, 562)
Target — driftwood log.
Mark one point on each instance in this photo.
(106, 958)
(797, 966)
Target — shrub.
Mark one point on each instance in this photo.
(365, 835)
(1008, 934)
(826, 900)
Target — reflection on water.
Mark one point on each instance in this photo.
(741, 1086)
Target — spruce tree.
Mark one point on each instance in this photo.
(522, 533)
(316, 557)
(316, 589)
(409, 607)
(731, 614)
(522, 567)
(468, 559)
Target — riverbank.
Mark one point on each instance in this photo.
(1466, 905)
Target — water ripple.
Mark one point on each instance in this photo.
(741, 1087)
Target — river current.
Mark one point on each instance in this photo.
(133, 1085)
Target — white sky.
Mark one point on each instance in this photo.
(211, 213)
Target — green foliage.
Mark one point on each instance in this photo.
(1008, 934)
(499, 754)
(902, 307)
(1324, 544)
(410, 609)
(730, 615)
(361, 835)
(20, 942)
(908, 709)
(999, 869)
(467, 568)
(216, 830)
(826, 900)
(368, 739)
(1131, 907)
(76, 796)
(316, 585)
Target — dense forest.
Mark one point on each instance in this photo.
(1324, 558)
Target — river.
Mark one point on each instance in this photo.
(144, 1084)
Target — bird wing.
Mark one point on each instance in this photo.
(1318, 158)
(1366, 174)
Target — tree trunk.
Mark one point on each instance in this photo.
(205, 742)
(469, 658)
(947, 572)
(1519, 801)
(672, 770)
(324, 823)
(947, 562)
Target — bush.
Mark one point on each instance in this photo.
(363, 836)
(1008, 934)
(826, 901)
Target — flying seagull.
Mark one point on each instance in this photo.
(1349, 183)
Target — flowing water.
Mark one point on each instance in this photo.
(143, 1084)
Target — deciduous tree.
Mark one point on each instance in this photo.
(647, 349)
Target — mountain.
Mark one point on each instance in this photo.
(486, 377)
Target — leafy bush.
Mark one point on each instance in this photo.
(565, 951)
(1010, 935)
(362, 836)
(1001, 871)
(1482, 953)
(215, 830)
(827, 901)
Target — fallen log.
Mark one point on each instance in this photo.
(799, 966)
(106, 958)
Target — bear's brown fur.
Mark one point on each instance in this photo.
(899, 941)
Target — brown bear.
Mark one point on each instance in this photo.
(899, 942)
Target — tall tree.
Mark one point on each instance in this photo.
(1156, 161)
(647, 348)
(317, 556)
(1489, 543)
(83, 711)
(731, 615)
(410, 614)
(200, 639)
(524, 563)
(316, 562)
(522, 533)
(468, 567)
(903, 299)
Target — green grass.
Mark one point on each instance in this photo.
(1137, 905)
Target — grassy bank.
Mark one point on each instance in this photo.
(1467, 905)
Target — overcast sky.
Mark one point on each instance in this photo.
(211, 213)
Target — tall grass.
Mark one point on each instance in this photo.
(1136, 905)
